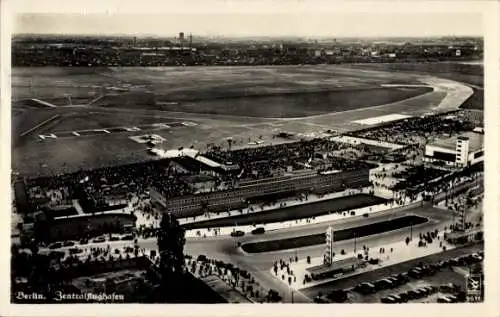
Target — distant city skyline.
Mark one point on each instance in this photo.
(308, 24)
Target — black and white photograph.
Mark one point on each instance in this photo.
(315, 157)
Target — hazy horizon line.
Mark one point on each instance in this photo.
(253, 35)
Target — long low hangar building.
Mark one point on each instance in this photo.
(189, 205)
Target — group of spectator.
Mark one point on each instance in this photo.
(417, 130)
(117, 181)
(265, 161)
(416, 176)
(239, 279)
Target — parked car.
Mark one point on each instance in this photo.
(127, 237)
(424, 291)
(414, 294)
(320, 299)
(338, 296)
(395, 280)
(113, 238)
(202, 258)
(444, 299)
(415, 273)
(404, 296)
(403, 277)
(75, 251)
(365, 288)
(453, 298)
(449, 288)
(477, 257)
(83, 241)
(382, 284)
(397, 298)
(388, 300)
(55, 245)
(68, 243)
(237, 233)
(454, 262)
(259, 230)
(57, 254)
(99, 240)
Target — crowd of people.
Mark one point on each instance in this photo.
(417, 130)
(113, 181)
(416, 176)
(239, 279)
(265, 161)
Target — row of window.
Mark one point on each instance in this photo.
(330, 180)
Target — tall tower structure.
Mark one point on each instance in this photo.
(462, 151)
(330, 241)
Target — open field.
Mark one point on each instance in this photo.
(468, 73)
(299, 104)
(192, 83)
(97, 120)
(31, 153)
(345, 234)
(292, 213)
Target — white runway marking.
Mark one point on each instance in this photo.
(40, 124)
(45, 136)
(381, 119)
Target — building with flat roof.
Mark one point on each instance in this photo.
(461, 150)
(189, 205)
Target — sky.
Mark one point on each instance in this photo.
(251, 18)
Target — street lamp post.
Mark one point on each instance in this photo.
(354, 242)
(411, 231)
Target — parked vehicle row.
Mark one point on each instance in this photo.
(417, 272)
(100, 239)
(414, 294)
(392, 281)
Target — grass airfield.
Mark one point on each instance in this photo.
(244, 103)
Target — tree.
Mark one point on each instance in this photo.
(171, 242)
(41, 226)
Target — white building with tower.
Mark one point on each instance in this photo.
(463, 150)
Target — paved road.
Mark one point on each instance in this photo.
(225, 248)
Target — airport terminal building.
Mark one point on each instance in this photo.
(463, 150)
(264, 189)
